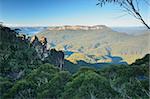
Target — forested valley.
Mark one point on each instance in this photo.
(29, 71)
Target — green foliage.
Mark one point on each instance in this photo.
(129, 81)
(42, 74)
(54, 88)
(144, 61)
(5, 84)
(17, 58)
(87, 84)
(24, 76)
(21, 89)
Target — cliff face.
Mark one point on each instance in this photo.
(40, 46)
(55, 57)
(93, 42)
(78, 27)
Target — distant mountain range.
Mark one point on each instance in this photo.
(95, 44)
(131, 30)
(78, 27)
(127, 30)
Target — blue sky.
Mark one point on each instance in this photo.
(64, 12)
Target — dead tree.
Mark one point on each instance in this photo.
(131, 7)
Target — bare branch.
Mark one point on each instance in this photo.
(129, 7)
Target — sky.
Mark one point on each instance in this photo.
(66, 12)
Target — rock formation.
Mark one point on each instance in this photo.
(56, 57)
(43, 40)
(40, 46)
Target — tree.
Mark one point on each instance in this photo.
(29, 86)
(55, 87)
(129, 6)
(5, 84)
(129, 81)
(21, 89)
(87, 84)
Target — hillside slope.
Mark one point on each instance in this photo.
(100, 44)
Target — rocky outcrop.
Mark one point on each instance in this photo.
(57, 58)
(22, 37)
(40, 45)
(43, 40)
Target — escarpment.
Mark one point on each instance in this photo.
(45, 54)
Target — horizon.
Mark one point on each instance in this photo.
(8, 25)
(65, 12)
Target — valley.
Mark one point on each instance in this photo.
(96, 44)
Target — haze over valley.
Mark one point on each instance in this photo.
(74, 49)
(95, 44)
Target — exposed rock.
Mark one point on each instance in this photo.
(34, 40)
(43, 40)
(77, 27)
(22, 37)
(57, 58)
(40, 45)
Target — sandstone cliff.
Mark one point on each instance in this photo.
(53, 56)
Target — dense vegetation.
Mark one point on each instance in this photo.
(24, 75)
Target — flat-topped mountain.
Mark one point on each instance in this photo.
(95, 44)
(78, 27)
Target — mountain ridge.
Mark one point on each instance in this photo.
(95, 42)
(78, 27)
